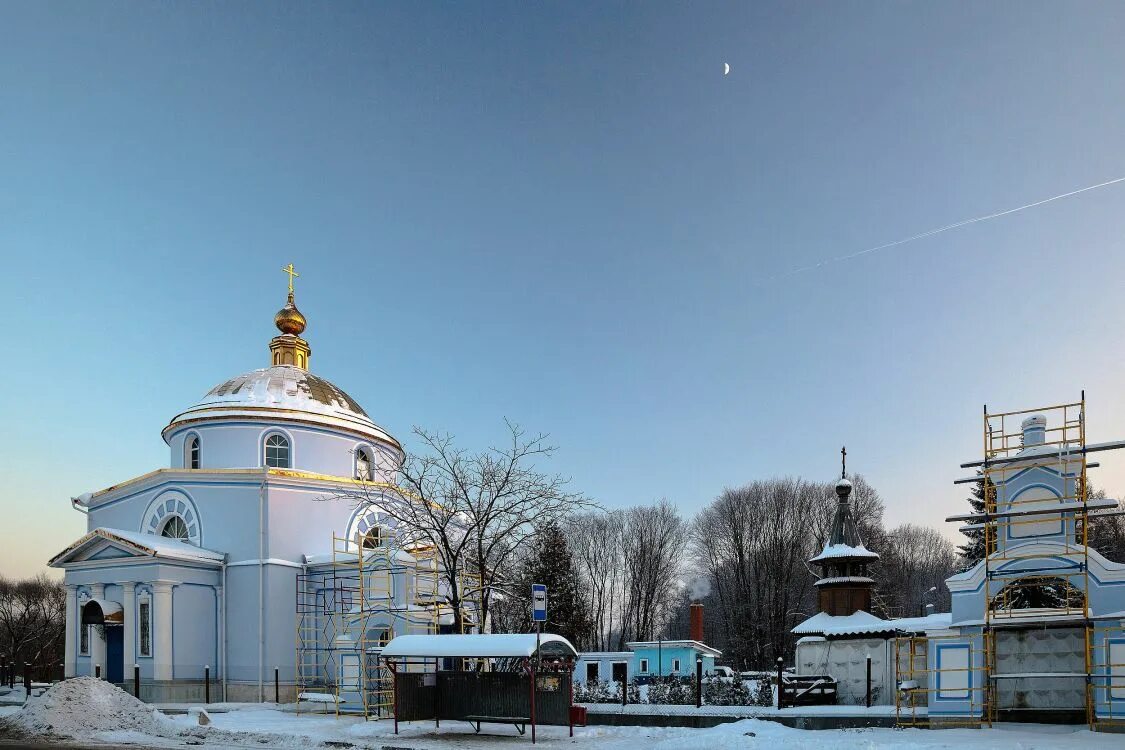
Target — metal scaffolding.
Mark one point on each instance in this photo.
(375, 586)
(1023, 588)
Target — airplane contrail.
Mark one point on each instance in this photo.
(946, 228)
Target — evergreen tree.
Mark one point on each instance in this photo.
(980, 500)
(549, 562)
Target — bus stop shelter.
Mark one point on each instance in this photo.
(518, 679)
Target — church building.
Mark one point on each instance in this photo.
(194, 568)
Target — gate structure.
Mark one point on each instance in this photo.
(1035, 624)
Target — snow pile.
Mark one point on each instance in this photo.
(83, 706)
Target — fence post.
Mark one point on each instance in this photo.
(98, 671)
(206, 683)
(698, 681)
(780, 692)
(12, 674)
(137, 681)
(276, 686)
(869, 680)
(27, 678)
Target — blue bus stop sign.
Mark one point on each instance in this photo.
(538, 602)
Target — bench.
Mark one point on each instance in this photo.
(519, 722)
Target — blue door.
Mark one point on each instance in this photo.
(115, 654)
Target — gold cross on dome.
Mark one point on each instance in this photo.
(292, 274)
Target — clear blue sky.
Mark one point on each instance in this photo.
(564, 214)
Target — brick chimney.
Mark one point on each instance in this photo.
(697, 622)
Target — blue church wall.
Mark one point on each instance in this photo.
(956, 688)
(224, 507)
(281, 614)
(240, 445)
(1109, 682)
(195, 631)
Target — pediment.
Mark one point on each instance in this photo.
(104, 549)
(124, 546)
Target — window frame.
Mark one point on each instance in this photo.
(144, 627)
(364, 454)
(377, 531)
(676, 665)
(193, 451)
(266, 446)
(644, 666)
(83, 636)
(173, 518)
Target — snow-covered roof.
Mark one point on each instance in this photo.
(823, 623)
(703, 648)
(283, 392)
(865, 623)
(478, 645)
(838, 551)
(142, 544)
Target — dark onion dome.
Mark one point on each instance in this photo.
(283, 393)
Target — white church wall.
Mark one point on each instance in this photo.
(303, 517)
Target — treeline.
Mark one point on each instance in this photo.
(631, 574)
(32, 623)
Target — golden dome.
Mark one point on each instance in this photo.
(289, 319)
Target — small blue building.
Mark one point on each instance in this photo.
(645, 660)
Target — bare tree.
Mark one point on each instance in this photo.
(753, 542)
(652, 557)
(597, 544)
(914, 564)
(33, 620)
(474, 509)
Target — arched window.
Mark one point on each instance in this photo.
(363, 465)
(175, 528)
(193, 452)
(277, 452)
(373, 538)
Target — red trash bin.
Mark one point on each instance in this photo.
(578, 716)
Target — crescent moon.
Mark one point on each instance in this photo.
(726, 68)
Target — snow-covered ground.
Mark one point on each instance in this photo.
(250, 727)
(93, 711)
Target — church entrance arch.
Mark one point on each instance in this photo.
(108, 619)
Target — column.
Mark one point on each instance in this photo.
(162, 630)
(73, 625)
(129, 634)
(97, 636)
